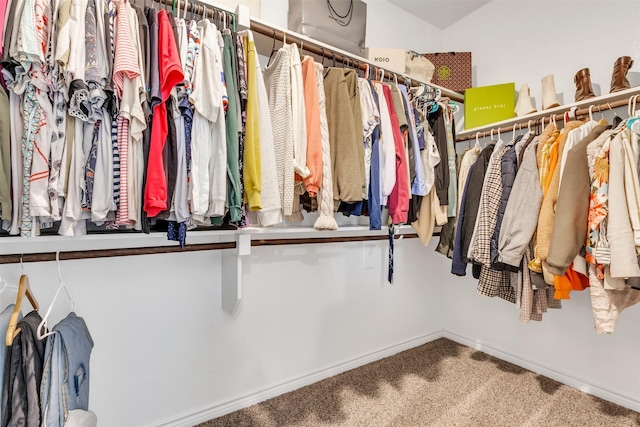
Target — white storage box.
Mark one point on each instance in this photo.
(389, 59)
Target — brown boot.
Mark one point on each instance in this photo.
(619, 77)
(582, 79)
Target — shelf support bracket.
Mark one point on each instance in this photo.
(231, 272)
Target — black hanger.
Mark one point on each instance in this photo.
(273, 49)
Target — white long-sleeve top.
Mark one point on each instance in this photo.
(387, 148)
(298, 111)
(208, 148)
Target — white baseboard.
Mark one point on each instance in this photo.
(547, 371)
(229, 406)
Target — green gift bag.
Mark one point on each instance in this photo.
(488, 104)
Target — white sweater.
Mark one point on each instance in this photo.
(277, 78)
(298, 111)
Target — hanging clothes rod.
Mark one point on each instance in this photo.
(198, 8)
(154, 250)
(108, 253)
(523, 122)
(352, 61)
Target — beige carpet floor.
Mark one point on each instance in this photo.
(441, 383)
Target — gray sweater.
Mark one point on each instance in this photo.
(521, 214)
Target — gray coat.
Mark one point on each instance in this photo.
(521, 214)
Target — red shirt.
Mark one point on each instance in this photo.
(170, 72)
(398, 202)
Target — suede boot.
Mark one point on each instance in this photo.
(619, 79)
(582, 79)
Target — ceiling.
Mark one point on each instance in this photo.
(440, 13)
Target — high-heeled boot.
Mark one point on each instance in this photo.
(582, 79)
(524, 105)
(619, 79)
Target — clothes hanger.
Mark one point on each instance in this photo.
(616, 119)
(4, 288)
(43, 331)
(273, 48)
(24, 288)
(477, 148)
(514, 132)
(633, 122)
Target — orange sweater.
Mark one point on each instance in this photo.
(314, 141)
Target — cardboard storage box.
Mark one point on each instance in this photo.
(488, 104)
(389, 59)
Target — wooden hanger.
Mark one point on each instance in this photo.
(23, 289)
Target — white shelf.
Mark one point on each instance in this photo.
(599, 100)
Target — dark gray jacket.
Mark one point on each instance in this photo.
(472, 198)
(23, 366)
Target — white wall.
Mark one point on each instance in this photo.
(387, 25)
(522, 41)
(166, 353)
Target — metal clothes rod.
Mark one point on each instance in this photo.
(153, 250)
(108, 253)
(523, 124)
(350, 61)
(312, 240)
(198, 9)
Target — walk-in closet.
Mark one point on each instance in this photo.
(319, 213)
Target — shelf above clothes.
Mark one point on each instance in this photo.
(600, 103)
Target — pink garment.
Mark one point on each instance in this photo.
(399, 198)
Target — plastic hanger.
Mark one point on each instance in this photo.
(43, 331)
(24, 288)
(633, 122)
(4, 287)
(514, 131)
(616, 119)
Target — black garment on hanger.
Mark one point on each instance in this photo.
(436, 123)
